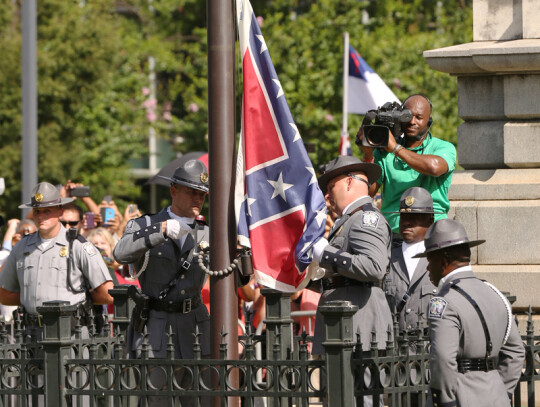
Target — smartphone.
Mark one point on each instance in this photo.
(107, 198)
(80, 191)
(107, 214)
(132, 208)
(90, 222)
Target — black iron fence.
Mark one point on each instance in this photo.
(65, 369)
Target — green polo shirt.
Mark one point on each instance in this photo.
(397, 177)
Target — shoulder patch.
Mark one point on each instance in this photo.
(129, 226)
(370, 219)
(437, 305)
(90, 249)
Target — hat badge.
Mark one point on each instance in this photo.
(204, 177)
(38, 197)
(409, 201)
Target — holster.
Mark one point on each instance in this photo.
(140, 316)
(141, 311)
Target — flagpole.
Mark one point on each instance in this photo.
(221, 141)
(344, 129)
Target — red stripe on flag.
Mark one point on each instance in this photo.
(262, 142)
(273, 246)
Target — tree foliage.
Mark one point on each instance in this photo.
(93, 75)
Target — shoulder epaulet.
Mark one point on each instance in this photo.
(81, 238)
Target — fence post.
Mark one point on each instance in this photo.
(278, 322)
(279, 334)
(338, 346)
(122, 309)
(57, 344)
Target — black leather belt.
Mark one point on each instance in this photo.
(330, 283)
(477, 365)
(184, 306)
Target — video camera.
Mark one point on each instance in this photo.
(377, 123)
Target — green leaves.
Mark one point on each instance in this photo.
(93, 66)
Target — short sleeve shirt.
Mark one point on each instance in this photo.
(397, 177)
(41, 275)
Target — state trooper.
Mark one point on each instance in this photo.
(476, 353)
(164, 249)
(53, 264)
(356, 256)
(408, 288)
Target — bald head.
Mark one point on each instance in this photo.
(417, 128)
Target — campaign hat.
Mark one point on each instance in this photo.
(416, 200)
(192, 174)
(45, 195)
(446, 233)
(346, 164)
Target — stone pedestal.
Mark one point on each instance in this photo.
(497, 197)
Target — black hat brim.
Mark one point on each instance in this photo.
(471, 243)
(373, 173)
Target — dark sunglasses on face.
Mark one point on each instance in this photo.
(72, 224)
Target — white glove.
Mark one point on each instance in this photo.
(318, 249)
(176, 229)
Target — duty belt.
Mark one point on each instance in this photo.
(184, 306)
(339, 281)
(477, 365)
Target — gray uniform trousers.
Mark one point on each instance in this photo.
(457, 333)
(359, 249)
(165, 258)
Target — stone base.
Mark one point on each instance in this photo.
(502, 207)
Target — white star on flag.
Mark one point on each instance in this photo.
(296, 132)
(280, 91)
(321, 216)
(280, 187)
(313, 179)
(263, 44)
(249, 202)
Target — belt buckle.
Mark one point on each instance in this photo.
(186, 264)
(186, 308)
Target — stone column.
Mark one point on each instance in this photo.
(497, 196)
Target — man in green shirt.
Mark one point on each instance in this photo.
(419, 160)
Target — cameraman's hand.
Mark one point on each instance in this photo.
(391, 142)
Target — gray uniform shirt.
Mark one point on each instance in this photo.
(359, 249)
(456, 333)
(398, 284)
(41, 275)
(164, 260)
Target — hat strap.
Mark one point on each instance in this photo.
(358, 178)
(35, 203)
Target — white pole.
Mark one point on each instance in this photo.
(29, 100)
(344, 129)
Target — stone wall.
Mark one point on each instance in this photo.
(497, 197)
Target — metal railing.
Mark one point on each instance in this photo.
(65, 369)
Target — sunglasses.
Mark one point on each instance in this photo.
(72, 224)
